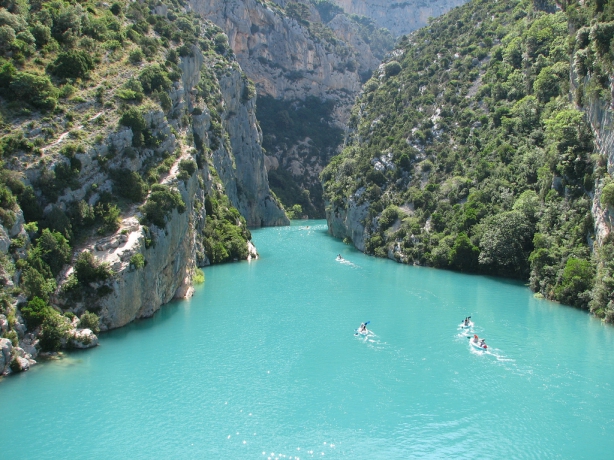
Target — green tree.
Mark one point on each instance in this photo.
(72, 64)
(506, 244)
(464, 255)
(35, 312)
(89, 320)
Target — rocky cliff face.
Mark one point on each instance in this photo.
(401, 16)
(292, 53)
(282, 55)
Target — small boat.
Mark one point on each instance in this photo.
(466, 326)
(361, 331)
(477, 343)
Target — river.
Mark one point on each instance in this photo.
(263, 363)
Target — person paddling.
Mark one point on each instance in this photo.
(362, 328)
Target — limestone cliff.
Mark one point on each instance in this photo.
(294, 51)
(399, 16)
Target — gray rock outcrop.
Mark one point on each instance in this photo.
(6, 349)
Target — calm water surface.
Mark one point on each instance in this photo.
(263, 362)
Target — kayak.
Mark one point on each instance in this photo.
(365, 332)
(478, 345)
(467, 326)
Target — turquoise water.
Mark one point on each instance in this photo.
(263, 362)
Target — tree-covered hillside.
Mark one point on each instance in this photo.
(472, 153)
(107, 112)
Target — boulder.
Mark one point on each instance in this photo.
(83, 338)
(5, 355)
(20, 364)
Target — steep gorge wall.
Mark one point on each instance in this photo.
(292, 57)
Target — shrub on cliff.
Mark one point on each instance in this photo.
(129, 184)
(89, 320)
(32, 88)
(54, 330)
(154, 78)
(160, 204)
(392, 68)
(72, 64)
(88, 269)
(607, 195)
(35, 312)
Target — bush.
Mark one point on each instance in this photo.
(54, 331)
(189, 166)
(199, 276)
(161, 202)
(35, 284)
(54, 250)
(607, 195)
(129, 184)
(392, 68)
(116, 8)
(72, 64)
(137, 261)
(89, 270)
(154, 78)
(35, 312)
(136, 56)
(41, 33)
(133, 119)
(108, 215)
(34, 89)
(90, 321)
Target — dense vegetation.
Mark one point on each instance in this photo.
(470, 154)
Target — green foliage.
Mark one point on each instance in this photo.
(295, 212)
(31, 88)
(129, 184)
(392, 68)
(35, 312)
(133, 119)
(576, 282)
(607, 195)
(89, 270)
(37, 284)
(226, 235)
(137, 260)
(154, 78)
(474, 134)
(54, 330)
(72, 64)
(89, 320)
(160, 204)
(53, 248)
(199, 276)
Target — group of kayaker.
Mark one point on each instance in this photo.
(475, 340)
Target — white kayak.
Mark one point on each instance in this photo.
(478, 345)
(466, 326)
(365, 332)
